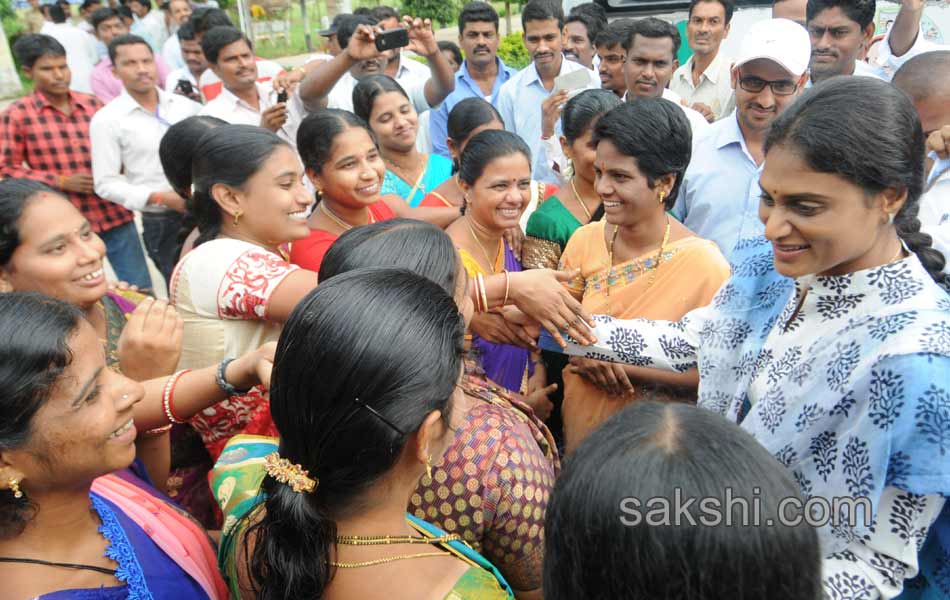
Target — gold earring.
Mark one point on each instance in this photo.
(429, 467)
(15, 487)
(662, 197)
(237, 216)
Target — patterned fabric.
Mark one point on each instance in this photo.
(222, 289)
(508, 366)
(147, 547)
(236, 481)
(39, 142)
(548, 230)
(438, 169)
(493, 484)
(851, 392)
(691, 272)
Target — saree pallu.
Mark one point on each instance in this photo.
(690, 273)
(161, 553)
(438, 169)
(508, 366)
(236, 481)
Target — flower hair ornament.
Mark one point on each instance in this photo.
(287, 472)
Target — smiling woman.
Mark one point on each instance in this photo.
(830, 343)
(76, 521)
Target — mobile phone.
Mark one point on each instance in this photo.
(282, 96)
(392, 39)
(185, 86)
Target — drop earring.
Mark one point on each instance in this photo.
(237, 216)
(662, 197)
(15, 488)
(429, 467)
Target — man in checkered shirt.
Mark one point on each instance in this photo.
(45, 136)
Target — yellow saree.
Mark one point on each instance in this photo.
(690, 273)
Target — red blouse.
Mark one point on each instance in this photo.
(309, 252)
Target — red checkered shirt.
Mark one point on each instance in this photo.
(39, 142)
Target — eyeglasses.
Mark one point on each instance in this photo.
(780, 87)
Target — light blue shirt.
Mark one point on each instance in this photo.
(465, 87)
(719, 196)
(519, 103)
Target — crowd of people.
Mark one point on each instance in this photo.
(410, 323)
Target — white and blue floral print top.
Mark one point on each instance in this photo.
(850, 390)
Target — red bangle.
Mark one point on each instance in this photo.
(168, 394)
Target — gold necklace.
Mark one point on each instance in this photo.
(343, 224)
(359, 540)
(501, 248)
(580, 200)
(381, 561)
(653, 269)
(401, 173)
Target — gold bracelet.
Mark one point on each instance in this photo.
(507, 281)
(157, 431)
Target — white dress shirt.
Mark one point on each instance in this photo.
(232, 109)
(341, 96)
(125, 138)
(81, 53)
(171, 53)
(715, 85)
(519, 102)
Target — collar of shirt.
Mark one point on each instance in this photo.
(234, 102)
(127, 104)
(77, 100)
(712, 72)
(531, 71)
(504, 74)
(728, 132)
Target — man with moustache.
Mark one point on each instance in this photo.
(522, 98)
(840, 31)
(612, 56)
(719, 197)
(651, 48)
(482, 73)
(125, 137)
(330, 84)
(44, 136)
(703, 81)
(244, 100)
(195, 65)
(580, 30)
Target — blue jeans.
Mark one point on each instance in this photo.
(125, 255)
(160, 233)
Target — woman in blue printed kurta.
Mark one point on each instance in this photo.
(831, 345)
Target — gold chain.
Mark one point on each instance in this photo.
(501, 247)
(359, 540)
(400, 172)
(343, 224)
(580, 200)
(653, 269)
(381, 561)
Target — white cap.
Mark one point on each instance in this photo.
(780, 40)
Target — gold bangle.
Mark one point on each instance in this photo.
(507, 281)
(484, 293)
(157, 431)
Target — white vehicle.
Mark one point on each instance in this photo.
(935, 24)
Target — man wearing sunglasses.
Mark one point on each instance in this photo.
(719, 197)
